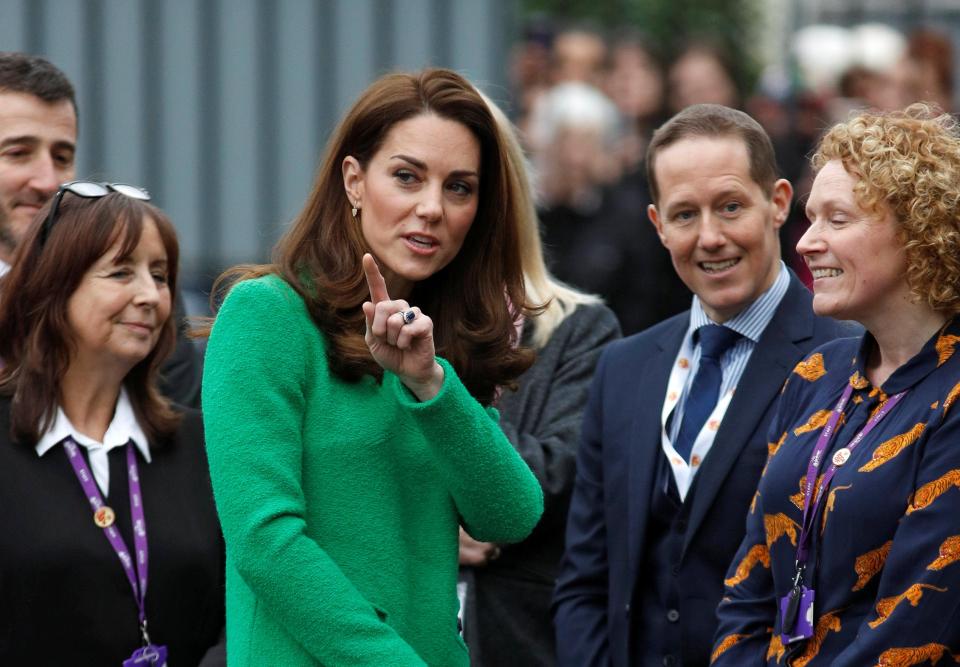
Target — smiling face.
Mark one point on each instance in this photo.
(418, 196)
(717, 222)
(118, 310)
(856, 257)
(37, 146)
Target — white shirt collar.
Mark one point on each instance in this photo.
(752, 321)
(4, 267)
(123, 428)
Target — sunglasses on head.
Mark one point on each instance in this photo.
(88, 190)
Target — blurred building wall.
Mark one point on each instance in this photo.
(222, 107)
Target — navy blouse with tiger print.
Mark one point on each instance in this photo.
(885, 560)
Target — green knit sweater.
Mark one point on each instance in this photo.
(340, 501)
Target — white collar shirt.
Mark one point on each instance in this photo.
(750, 324)
(122, 429)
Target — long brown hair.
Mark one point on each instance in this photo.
(35, 339)
(469, 299)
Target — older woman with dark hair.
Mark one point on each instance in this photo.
(347, 390)
(111, 552)
(852, 552)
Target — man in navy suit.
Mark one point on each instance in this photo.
(675, 431)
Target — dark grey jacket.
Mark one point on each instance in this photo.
(507, 615)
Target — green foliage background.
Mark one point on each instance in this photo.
(731, 24)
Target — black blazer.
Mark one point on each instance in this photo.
(65, 597)
(616, 466)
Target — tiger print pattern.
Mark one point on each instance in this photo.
(797, 498)
(857, 381)
(776, 648)
(815, 422)
(774, 447)
(831, 503)
(949, 553)
(811, 369)
(888, 450)
(869, 565)
(758, 554)
(946, 345)
(889, 522)
(725, 646)
(887, 606)
(778, 525)
(825, 624)
(926, 494)
(951, 398)
(907, 657)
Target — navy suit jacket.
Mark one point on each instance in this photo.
(616, 467)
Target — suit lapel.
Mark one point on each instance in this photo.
(775, 355)
(644, 441)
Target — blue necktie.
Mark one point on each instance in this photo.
(703, 394)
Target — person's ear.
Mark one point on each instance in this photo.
(353, 180)
(780, 201)
(654, 215)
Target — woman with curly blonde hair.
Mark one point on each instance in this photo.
(856, 512)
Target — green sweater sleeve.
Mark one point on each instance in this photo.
(260, 355)
(496, 494)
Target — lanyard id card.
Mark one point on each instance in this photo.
(796, 607)
(148, 656)
(796, 612)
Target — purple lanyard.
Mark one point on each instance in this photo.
(138, 578)
(811, 504)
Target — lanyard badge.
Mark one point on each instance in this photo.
(796, 607)
(796, 611)
(149, 655)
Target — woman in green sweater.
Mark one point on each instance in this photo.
(347, 390)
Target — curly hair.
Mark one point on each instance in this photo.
(908, 161)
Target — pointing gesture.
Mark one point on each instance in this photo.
(400, 338)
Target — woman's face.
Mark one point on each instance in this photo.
(119, 308)
(418, 197)
(856, 257)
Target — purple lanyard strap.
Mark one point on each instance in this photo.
(810, 504)
(137, 577)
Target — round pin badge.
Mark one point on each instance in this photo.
(840, 456)
(104, 517)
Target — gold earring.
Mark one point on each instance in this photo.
(355, 209)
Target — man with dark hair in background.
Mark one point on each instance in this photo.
(38, 138)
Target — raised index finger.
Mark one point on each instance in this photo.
(375, 281)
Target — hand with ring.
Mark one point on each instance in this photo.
(400, 337)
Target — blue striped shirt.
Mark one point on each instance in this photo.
(750, 324)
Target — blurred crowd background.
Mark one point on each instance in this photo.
(221, 107)
(590, 86)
